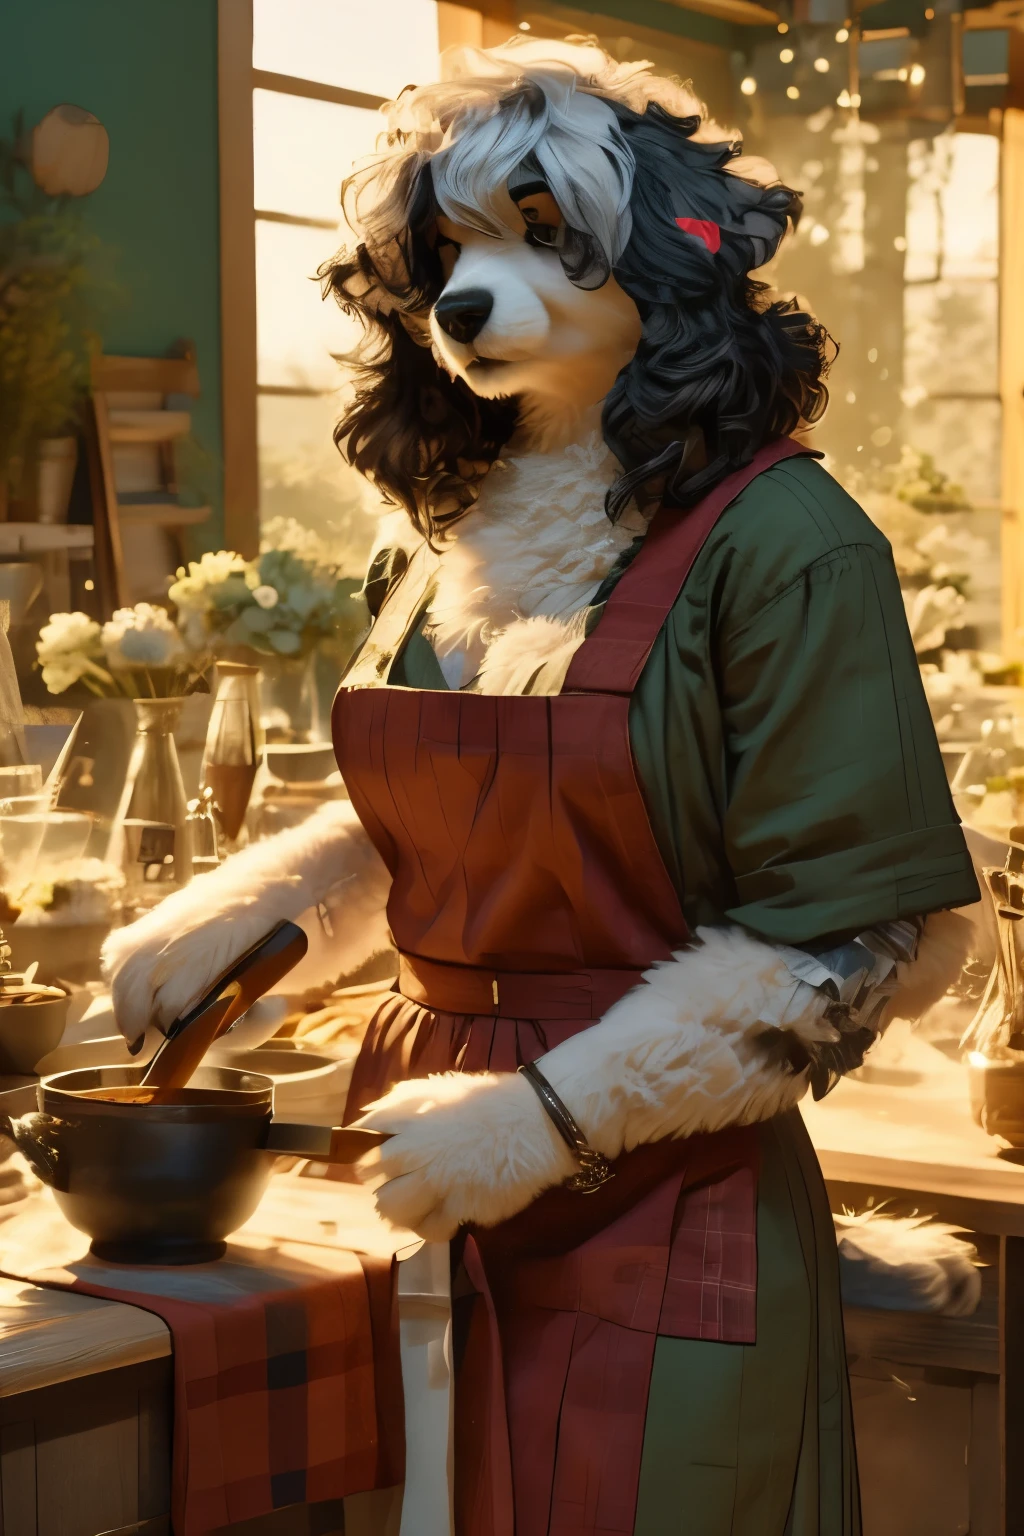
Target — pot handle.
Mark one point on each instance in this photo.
(36, 1136)
(321, 1143)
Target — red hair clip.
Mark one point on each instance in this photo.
(705, 230)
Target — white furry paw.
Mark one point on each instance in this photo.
(162, 964)
(465, 1147)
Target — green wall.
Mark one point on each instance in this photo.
(148, 70)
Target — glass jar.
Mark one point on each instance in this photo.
(291, 700)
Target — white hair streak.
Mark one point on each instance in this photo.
(475, 131)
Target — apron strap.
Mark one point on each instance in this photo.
(612, 658)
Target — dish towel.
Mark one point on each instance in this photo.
(287, 1373)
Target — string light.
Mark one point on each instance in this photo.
(843, 35)
(873, 355)
(786, 55)
(748, 85)
(821, 65)
(783, 26)
(792, 93)
(524, 26)
(844, 99)
(917, 74)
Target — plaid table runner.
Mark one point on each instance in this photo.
(287, 1376)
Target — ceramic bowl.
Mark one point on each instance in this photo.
(30, 1031)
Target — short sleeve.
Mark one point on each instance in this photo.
(837, 814)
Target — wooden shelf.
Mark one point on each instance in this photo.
(129, 426)
(42, 538)
(160, 514)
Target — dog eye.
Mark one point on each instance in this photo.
(545, 235)
(542, 215)
(448, 252)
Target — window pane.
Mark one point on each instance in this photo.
(378, 47)
(296, 330)
(953, 207)
(951, 338)
(303, 476)
(303, 150)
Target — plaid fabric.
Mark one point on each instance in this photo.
(711, 1288)
(287, 1372)
(278, 1397)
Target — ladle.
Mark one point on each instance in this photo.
(190, 1036)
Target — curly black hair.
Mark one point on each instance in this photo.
(720, 369)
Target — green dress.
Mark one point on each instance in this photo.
(789, 764)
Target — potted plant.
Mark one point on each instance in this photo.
(47, 294)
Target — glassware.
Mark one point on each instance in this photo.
(234, 744)
(20, 779)
(65, 835)
(21, 836)
(37, 842)
(296, 779)
(151, 838)
(988, 786)
(202, 822)
(291, 700)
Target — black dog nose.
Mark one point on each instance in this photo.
(463, 315)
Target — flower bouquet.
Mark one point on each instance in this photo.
(279, 611)
(140, 653)
(285, 603)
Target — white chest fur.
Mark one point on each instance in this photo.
(517, 575)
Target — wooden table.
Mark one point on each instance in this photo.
(916, 1146)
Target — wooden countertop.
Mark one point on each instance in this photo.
(50, 1335)
(919, 1137)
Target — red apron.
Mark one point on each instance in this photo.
(529, 895)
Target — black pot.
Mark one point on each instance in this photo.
(164, 1183)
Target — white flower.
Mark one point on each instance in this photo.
(67, 648)
(195, 587)
(930, 613)
(143, 636)
(60, 676)
(286, 533)
(66, 634)
(267, 597)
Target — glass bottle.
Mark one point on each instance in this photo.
(234, 744)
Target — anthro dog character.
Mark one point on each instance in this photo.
(643, 785)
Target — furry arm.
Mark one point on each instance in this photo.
(684, 1052)
(162, 963)
(715, 1037)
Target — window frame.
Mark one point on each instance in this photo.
(240, 386)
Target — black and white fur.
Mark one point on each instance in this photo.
(549, 419)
